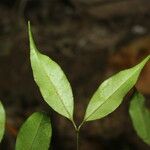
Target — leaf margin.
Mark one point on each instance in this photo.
(142, 63)
(2, 111)
(34, 49)
(137, 103)
(28, 124)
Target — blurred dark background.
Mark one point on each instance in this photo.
(91, 40)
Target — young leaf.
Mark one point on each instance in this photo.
(2, 121)
(140, 116)
(51, 80)
(35, 133)
(111, 92)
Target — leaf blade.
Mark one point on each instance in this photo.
(52, 82)
(111, 92)
(2, 121)
(35, 133)
(140, 117)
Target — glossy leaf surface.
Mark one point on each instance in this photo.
(140, 116)
(2, 121)
(35, 133)
(52, 82)
(111, 92)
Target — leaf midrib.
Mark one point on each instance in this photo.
(109, 97)
(36, 132)
(47, 74)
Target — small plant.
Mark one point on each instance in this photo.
(36, 132)
(140, 117)
(57, 92)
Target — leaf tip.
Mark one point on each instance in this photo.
(31, 40)
(29, 24)
(146, 59)
(29, 30)
(149, 56)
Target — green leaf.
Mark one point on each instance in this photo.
(140, 117)
(51, 80)
(35, 133)
(110, 93)
(2, 121)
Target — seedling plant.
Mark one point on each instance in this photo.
(36, 132)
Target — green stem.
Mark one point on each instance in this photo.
(80, 125)
(77, 136)
(77, 129)
(74, 125)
